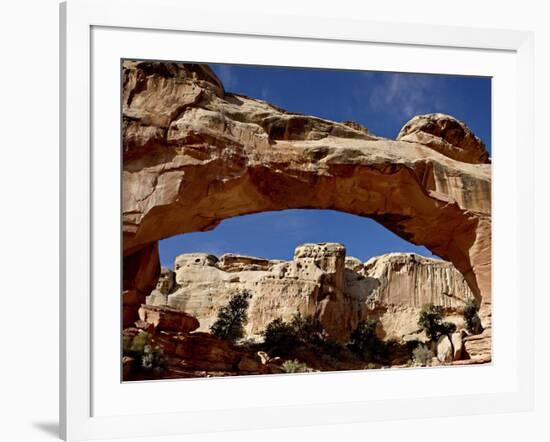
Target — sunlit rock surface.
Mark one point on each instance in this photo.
(321, 282)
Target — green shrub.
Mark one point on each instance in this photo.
(283, 338)
(141, 347)
(294, 366)
(364, 342)
(307, 328)
(431, 321)
(132, 345)
(232, 318)
(422, 355)
(331, 348)
(280, 339)
(140, 341)
(126, 344)
(473, 323)
(412, 344)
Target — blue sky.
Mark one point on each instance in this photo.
(382, 102)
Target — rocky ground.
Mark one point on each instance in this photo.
(187, 353)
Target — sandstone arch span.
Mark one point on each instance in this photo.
(195, 155)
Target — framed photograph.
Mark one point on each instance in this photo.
(308, 221)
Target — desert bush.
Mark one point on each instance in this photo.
(142, 348)
(422, 355)
(138, 343)
(471, 318)
(294, 366)
(232, 318)
(331, 348)
(126, 344)
(431, 321)
(364, 342)
(307, 328)
(283, 338)
(411, 345)
(280, 338)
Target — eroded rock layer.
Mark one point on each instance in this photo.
(319, 281)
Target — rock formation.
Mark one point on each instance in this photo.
(197, 354)
(165, 284)
(446, 135)
(319, 281)
(195, 154)
(168, 319)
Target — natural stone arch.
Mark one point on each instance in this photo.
(195, 155)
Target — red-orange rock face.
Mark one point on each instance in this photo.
(168, 319)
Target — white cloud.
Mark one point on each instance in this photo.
(405, 95)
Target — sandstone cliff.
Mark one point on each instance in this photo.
(319, 281)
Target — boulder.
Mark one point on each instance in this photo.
(447, 135)
(456, 340)
(166, 318)
(252, 364)
(198, 348)
(263, 356)
(145, 326)
(444, 349)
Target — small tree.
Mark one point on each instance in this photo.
(364, 342)
(232, 318)
(307, 328)
(283, 338)
(473, 323)
(280, 338)
(422, 355)
(431, 321)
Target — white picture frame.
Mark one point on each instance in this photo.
(86, 394)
